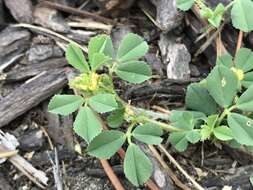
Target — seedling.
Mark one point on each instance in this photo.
(220, 109)
(241, 12)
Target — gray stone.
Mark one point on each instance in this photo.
(176, 56)
(40, 52)
(194, 70)
(167, 14)
(50, 18)
(21, 10)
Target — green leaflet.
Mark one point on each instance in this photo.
(245, 102)
(137, 166)
(179, 140)
(87, 124)
(134, 71)
(176, 115)
(244, 59)
(225, 60)
(116, 118)
(97, 60)
(184, 5)
(222, 84)
(103, 103)
(242, 16)
(148, 133)
(197, 96)
(100, 44)
(242, 128)
(106, 144)
(193, 136)
(132, 47)
(65, 104)
(75, 57)
(223, 133)
(247, 80)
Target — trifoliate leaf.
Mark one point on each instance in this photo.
(242, 128)
(241, 14)
(132, 47)
(222, 84)
(245, 102)
(100, 44)
(103, 103)
(137, 166)
(223, 133)
(148, 133)
(244, 59)
(134, 71)
(75, 57)
(184, 5)
(87, 124)
(176, 115)
(106, 144)
(217, 15)
(197, 96)
(65, 104)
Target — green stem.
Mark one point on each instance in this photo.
(129, 133)
(224, 114)
(162, 125)
(229, 5)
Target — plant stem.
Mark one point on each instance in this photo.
(224, 114)
(129, 133)
(229, 5)
(162, 125)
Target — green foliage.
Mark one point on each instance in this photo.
(106, 144)
(137, 166)
(245, 102)
(75, 57)
(223, 133)
(241, 12)
(148, 133)
(87, 124)
(65, 104)
(103, 103)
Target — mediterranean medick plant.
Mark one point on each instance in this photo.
(219, 107)
(241, 12)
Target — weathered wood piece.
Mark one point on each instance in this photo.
(21, 10)
(30, 94)
(167, 15)
(13, 41)
(50, 18)
(32, 70)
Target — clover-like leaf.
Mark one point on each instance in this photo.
(217, 15)
(75, 57)
(116, 118)
(65, 104)
(137, 166)
(132, 47)
(87, 124)
(242, 128)
(197, 96)
(177, 115)
(184, 5)
(103, 103)
(97, 60)
(100, 44)
(179, 140)
(106, 144)
(134, 71)
(222, 84)
(148, 133)
(223, 133)
(244, 59)
(241, 14)
(245, 102)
